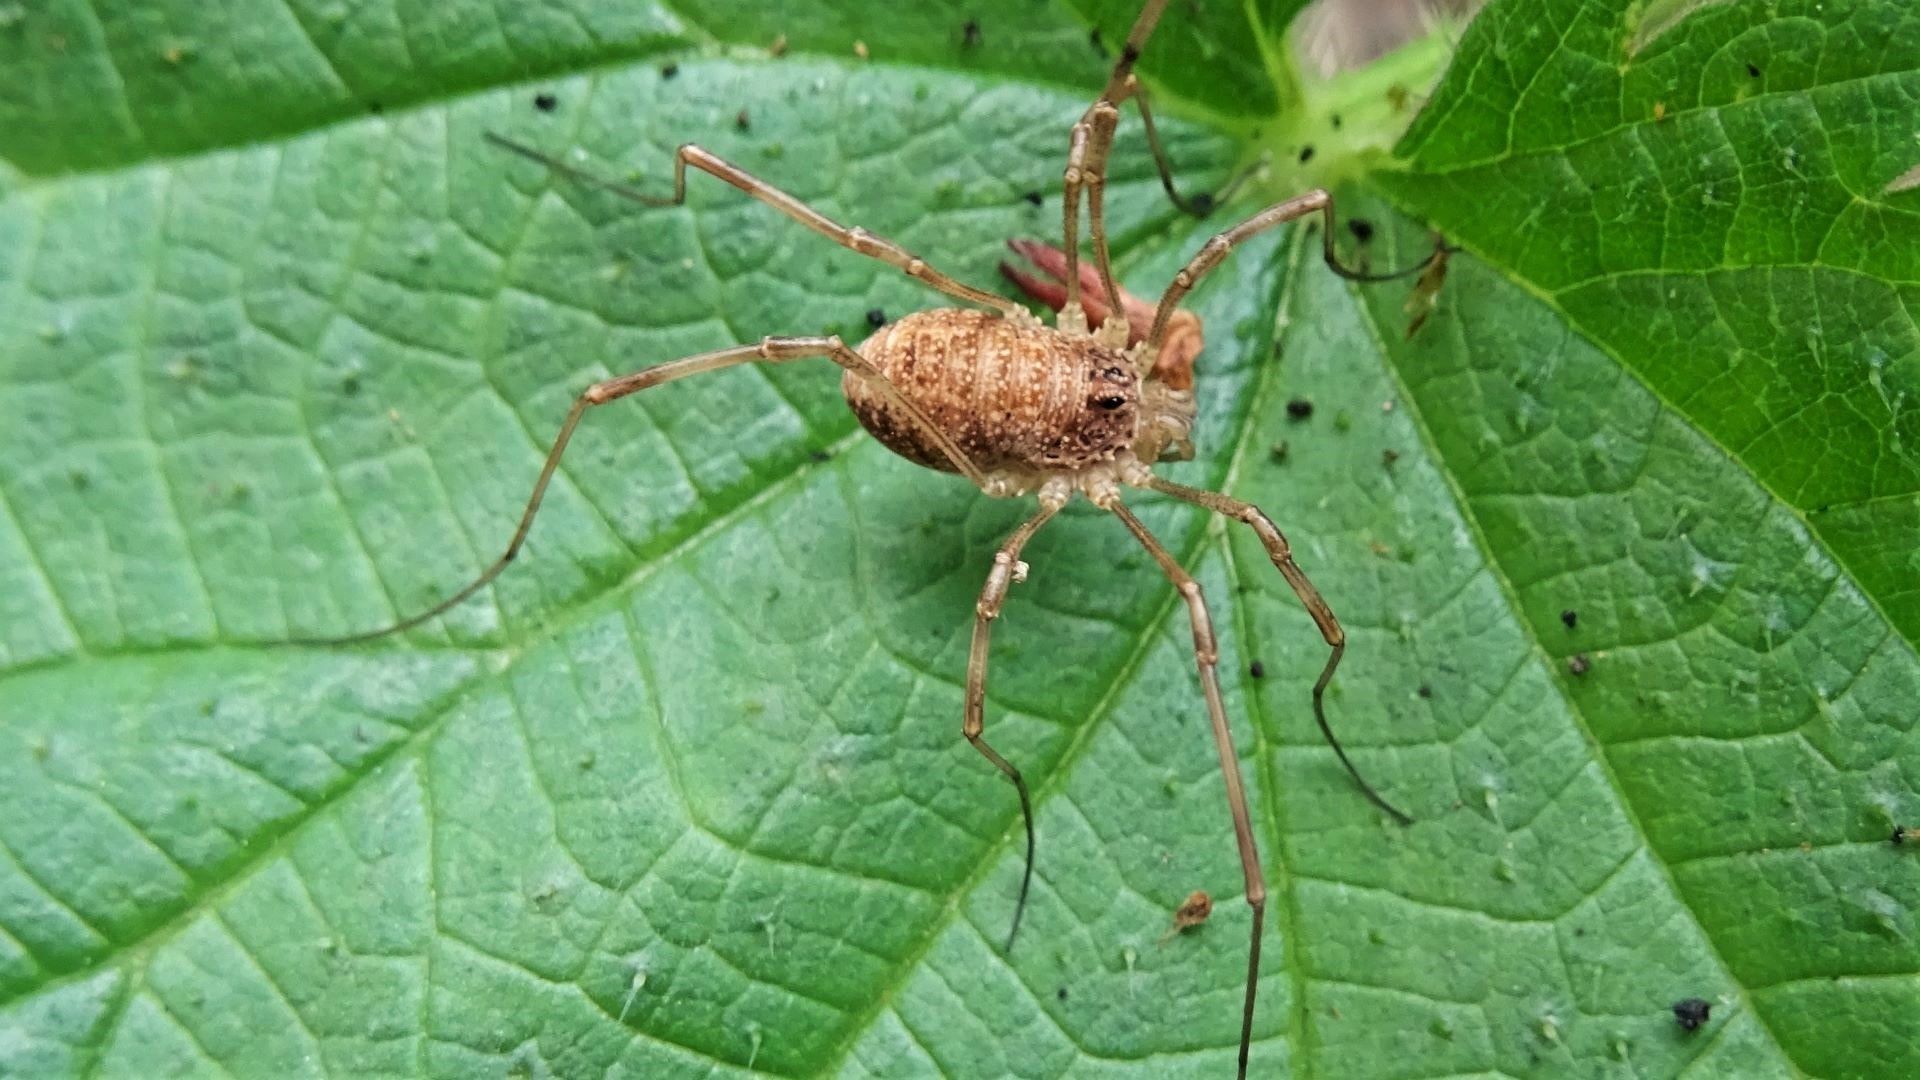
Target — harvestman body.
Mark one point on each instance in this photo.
(1020, 408)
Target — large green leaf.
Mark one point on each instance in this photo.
(684, 793)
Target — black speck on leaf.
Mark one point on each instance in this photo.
(1691, 1012)
(1299, 408)
(1336, 121)
(669, 71)
(1032, 197)
(743, 121)
(1425, 691)
(1569, 618)
(876, 318)
(970, 34)
(1099, 46)
(1306, 154)
(545, 102)
(1061, 993)
(1753, 70)
(1257, 669)
(1361, 228)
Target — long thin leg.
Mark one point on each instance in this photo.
(1094, 174)
(854, 239)
(1007, 569)
(1200, 205)
(1087, 149)
(1317, 201)
(1206, 653)
(770, 350)
(1281, 553)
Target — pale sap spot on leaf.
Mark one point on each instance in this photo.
(1906, 181)
(1660, 16)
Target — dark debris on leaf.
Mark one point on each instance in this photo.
(1257, 669)
(669, 71)
(1306, 154)
(970, 34)
(1569, 618)
(1691, 1013)
(1579, 664)
(876, 318)
(1361, 228)
(1299, 408)
(545, 102)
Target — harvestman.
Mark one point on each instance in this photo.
(1017, 408)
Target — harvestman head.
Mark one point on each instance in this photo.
(1019, 408)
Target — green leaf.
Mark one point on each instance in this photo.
(1717, 203)
(683, 793)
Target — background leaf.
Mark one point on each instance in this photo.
(683, 793)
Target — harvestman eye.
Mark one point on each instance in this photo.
(1052, 444)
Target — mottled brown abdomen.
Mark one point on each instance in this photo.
(1018, 397)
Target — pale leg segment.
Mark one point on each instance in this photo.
(1206, 654)
(1281, 554)
(1317, 201)
(771, 350)
(1006, 570)
(854, 239)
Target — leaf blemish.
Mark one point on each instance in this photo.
(1690, 1013)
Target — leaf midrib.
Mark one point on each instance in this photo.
(1539, 655)
(1606, 348)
